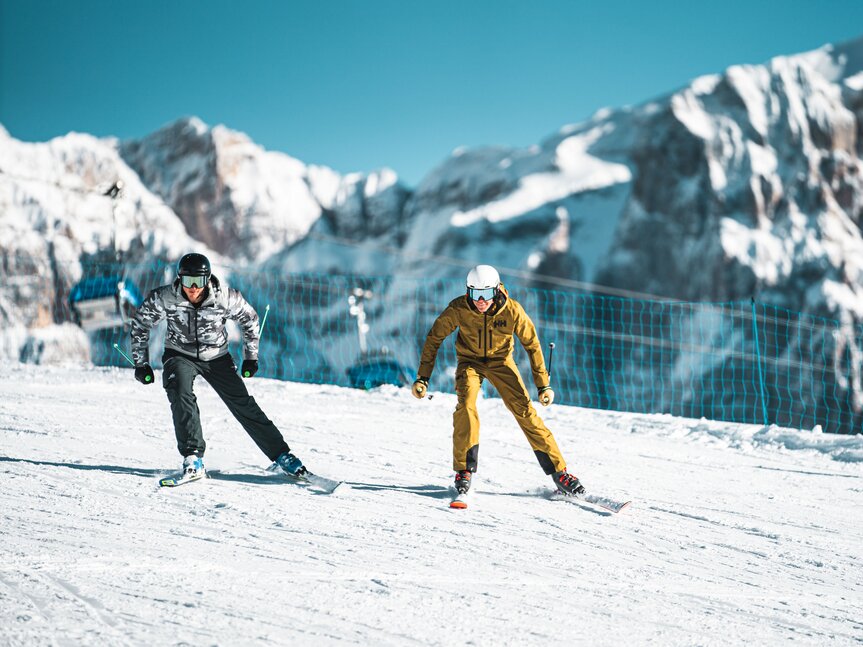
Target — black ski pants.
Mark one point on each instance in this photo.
(178, 379)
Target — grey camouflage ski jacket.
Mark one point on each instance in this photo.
(198, 331)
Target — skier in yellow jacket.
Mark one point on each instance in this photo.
(487, 318)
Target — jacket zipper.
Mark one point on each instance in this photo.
(485, 336)
(197, 342)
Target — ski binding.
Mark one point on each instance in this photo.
(181, 478)
(326, 485)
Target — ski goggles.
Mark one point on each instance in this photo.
(486, 294)
(194, 281)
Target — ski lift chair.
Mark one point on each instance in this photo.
(104, 302)
(376, 369)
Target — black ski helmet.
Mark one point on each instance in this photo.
(194, 265)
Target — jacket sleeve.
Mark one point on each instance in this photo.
(442, 328)
(244, 314)
(526, 333)
(151, 312)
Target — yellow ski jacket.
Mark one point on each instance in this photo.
(485, 337)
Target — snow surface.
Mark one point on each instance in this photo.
(737, 534)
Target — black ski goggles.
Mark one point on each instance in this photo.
(486, 294)
(194, 281)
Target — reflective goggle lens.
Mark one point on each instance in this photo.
(193, 281)
(486, 294)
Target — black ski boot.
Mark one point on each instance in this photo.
(462, 481)
(568, 484)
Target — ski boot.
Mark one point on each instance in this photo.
(193, 467)
(462, 481)
(292, 465)
(568, 484)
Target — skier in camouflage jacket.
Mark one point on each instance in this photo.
(196, 307)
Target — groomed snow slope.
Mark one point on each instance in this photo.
(736, 535)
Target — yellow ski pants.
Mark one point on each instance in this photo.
(504, 377)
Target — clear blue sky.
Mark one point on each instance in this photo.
(360, 85)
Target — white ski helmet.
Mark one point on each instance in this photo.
(482, 282)
(483, 276)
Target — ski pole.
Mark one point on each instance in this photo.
(117, 348)
(550, 355)
(263, 322)
(260, 332)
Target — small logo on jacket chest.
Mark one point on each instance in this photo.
(499, 323)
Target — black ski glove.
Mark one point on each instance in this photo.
(144, 374)
(250, 367)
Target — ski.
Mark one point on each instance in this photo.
(603, 502)
(322, 483)
(459, 501)
(181, 478)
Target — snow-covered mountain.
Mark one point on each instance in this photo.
(185, 187)
(249, 203)
(746, 184)
(753, 178)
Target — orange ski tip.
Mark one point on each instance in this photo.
(459, 505)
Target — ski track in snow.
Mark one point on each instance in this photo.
(722, 545)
